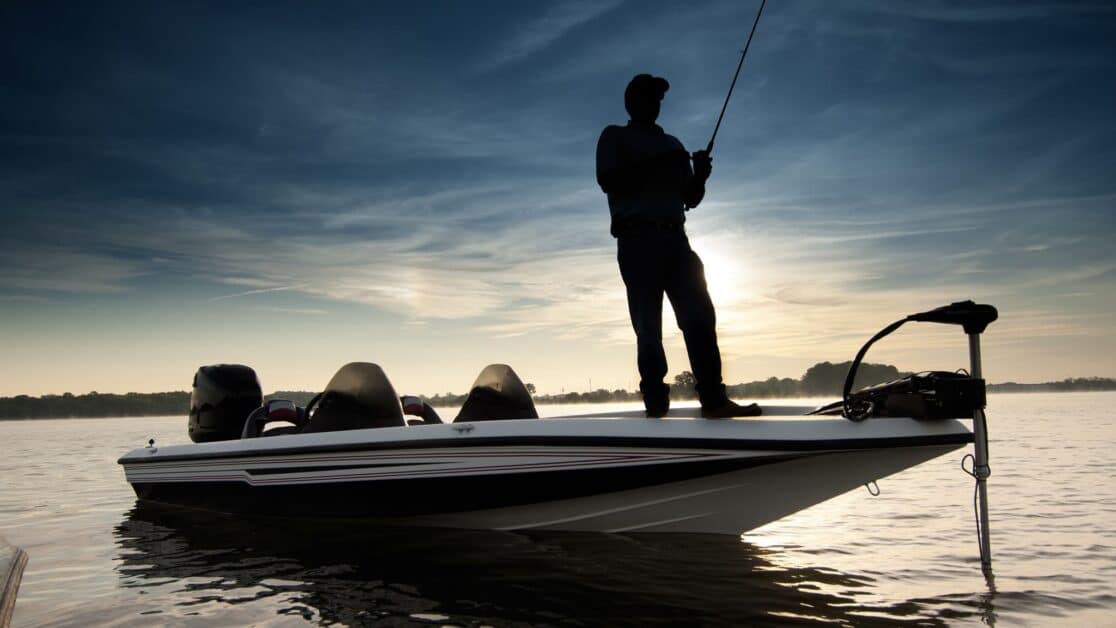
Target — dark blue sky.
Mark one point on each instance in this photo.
(184, 183)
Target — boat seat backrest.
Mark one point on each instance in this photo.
(497, 394)
(358, 397)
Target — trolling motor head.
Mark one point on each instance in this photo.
(973, 317)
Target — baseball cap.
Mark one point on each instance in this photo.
(646, 85)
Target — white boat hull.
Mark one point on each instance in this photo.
(605, 474)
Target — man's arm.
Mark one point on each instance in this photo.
(695, 190)
(611, 175)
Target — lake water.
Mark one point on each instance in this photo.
(908, 556)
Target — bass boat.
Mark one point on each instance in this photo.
(352, 452)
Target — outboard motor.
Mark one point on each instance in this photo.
(498, 393)
(223, 397)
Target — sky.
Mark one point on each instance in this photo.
(297, 185)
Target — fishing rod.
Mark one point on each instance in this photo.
(709, 148)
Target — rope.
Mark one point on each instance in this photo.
(979, 474)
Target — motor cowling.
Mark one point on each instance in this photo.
(223, 397)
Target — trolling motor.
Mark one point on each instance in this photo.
(935, 395)
(974, 318)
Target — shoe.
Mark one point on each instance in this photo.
(657, 408)
(728, 409)
(656, 398)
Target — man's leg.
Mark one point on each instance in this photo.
(693, 309)
(642, 270)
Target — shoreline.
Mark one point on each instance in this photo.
(543, 401)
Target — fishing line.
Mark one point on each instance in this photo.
(709, 148)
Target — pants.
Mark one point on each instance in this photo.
(654, 262)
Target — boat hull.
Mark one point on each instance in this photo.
(613, 475)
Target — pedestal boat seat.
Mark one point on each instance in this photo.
(497, 394)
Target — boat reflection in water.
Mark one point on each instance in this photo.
(207, 565)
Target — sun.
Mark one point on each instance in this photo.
(725, 271)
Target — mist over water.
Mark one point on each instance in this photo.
(908, 556)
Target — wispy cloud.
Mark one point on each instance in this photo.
(294, 310)
(253, 292)
(993, 12)
(61, 270)
(544, 30)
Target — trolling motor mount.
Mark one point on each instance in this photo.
(930, 395)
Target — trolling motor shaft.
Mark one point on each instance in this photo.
(981, 470)
(974, 318)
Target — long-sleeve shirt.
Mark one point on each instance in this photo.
(646, 174)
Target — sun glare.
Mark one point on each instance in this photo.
(725, 272)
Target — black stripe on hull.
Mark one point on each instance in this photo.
(433, 495)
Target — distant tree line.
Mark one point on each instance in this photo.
(822, 379)
(1073, 384)
(98, 405)
(94, 405)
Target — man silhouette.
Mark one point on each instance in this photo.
(647, 176)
